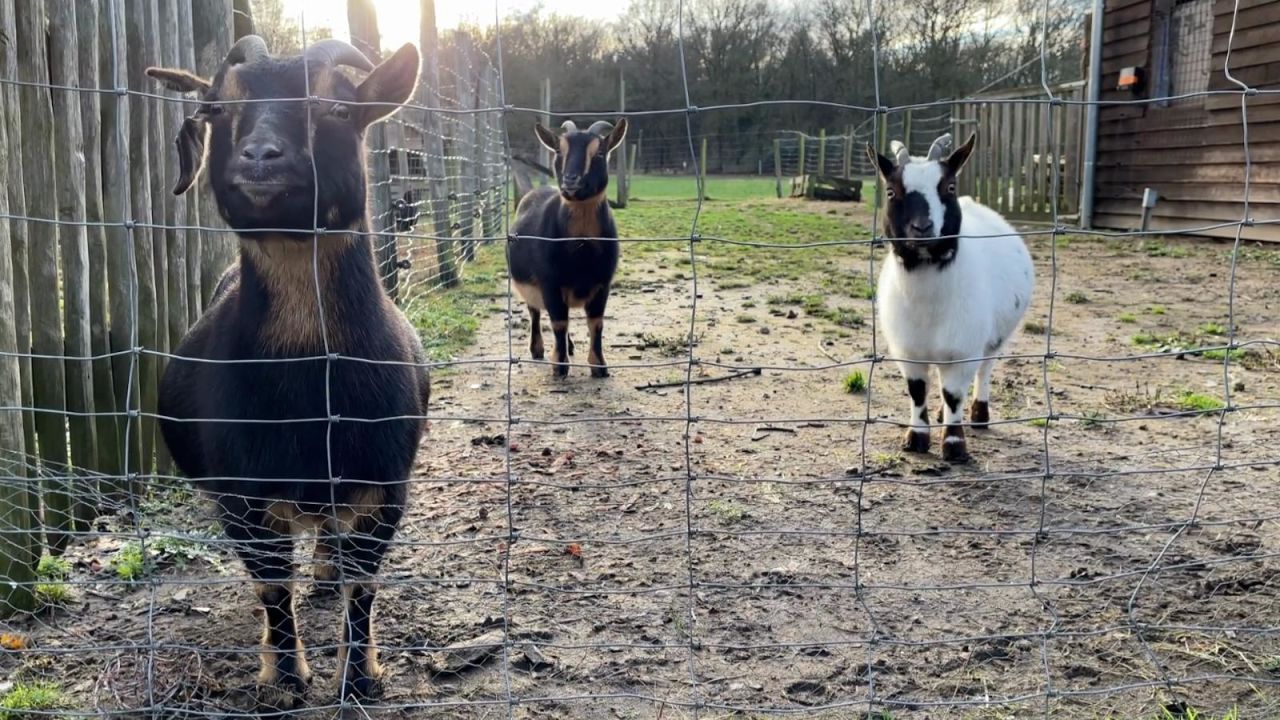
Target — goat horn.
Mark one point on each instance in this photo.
(900, 154)
(332, 51)
(568, 126)
(247, 50)
(940, 146)
(601, 128)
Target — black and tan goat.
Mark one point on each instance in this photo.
(296, 400)
(563, 249)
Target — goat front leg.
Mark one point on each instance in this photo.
(362, 552)
(536, 350)
(558, 311)
(980, 411)
(917, 438)
(956, 379)
(595, 324)
(265, 544)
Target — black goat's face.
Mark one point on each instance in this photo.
(277, 160)
(582, 157)
(922, 210)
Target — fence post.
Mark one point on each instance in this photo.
(702, 171)
(906, 130)
(777, 165)
(623, 190)
(544, 155)
(803, 154)
(433, 145)
(822, 151)
(117, 208)
(362, 19)
(145, 299)
(639, 149)
(882, 142)
(162, 222)
(195, 239)
(211, 30)
(848, 152)
(176, 210)
(108, 460)
(48, 373)
(494, 174)
(465, 80)
(18, 545)
(69, 167)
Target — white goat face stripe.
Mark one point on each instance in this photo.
(923, 176)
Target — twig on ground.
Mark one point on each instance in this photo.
(699, 381)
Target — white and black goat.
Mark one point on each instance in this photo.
(952, 293)
(563, 249)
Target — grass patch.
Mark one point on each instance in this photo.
(129, 563)
(1033, 327)
(1191, 401)
(28, 700)
(1156, 248)
(53, 591)
(1076, 298)
(1038, 422)
(1157, 310)
(1213, 328)
(447, 320)
(727, 512)
(855, 382)
(1092, 419)
(1127, 318)
(53, 568)
(1183, 712)
(746, 319)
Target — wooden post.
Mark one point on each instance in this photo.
(116, 209)
(176, 210)
(48, 373)
(69, 168)
(804, 159)
(777, 166)
(242, 18)
(470, 153)
(848, 152)
(544, 155)
(906, 130)
(108, 460)
(822, 151)
(145, 301)
(702, 171)
(195, 214)
(882, 143)
(623, 190)
(19, 547)
(160, 205)
(484, 134)
(433, 145)
(362, 19)
(11, 114)
(639, 149)
(212, 33)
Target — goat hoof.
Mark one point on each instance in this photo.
(560, 370)
(324, 587)
(916, 442)
(955, 452)
(362, 688)
(283, 695)
(980, 414)
(600, 371)
(536, 353)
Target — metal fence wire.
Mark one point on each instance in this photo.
(718, 530)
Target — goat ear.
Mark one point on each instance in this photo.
(957, 159)
(388, 86)
(883, 164)
(179, 80)
(547, 138)
(617, 136)
(190, 142)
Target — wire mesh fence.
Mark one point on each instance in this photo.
(726, 527)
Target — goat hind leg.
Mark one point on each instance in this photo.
(536, 349)
(917, 437)
(362, 552)
(980, 410)
(955, 381)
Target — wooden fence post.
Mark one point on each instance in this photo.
(362, 18)
(702, 171)
(467, 80)
(777, 165)
(212, 35)
(48, 373)
(822, 151)
(91, 119)
(848, 152)
(117, 206)
(176, 210)
(145, 305)
(69, 168)
(484, 135)
(19, 546)
(803, 152)
(624, 190)
(433, 144)
(162, 222)
(544, 155)
(195, 237)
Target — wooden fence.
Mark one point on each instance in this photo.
(1021, 138)
(103, 269)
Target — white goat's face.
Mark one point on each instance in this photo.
(922, 210)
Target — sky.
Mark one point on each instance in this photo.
(398, 19)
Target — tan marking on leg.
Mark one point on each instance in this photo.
(594, 325)
(531, 293)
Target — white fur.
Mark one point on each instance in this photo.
(965, 311)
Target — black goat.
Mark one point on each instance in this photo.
(563, 249)
(282, 437)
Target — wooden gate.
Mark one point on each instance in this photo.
(1021, 138)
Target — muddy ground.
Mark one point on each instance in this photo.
(761, 550)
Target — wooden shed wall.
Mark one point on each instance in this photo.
(1193, 155)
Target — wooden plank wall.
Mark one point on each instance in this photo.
(1192, 154)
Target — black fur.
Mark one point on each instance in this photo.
(564, 242)
(318, 436)
(907, 224)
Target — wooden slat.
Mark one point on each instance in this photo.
(1243, 40)
(1222, 154)
(1129, 46)
(1198, 211)
(1230, 104)
(1162, 119)
(1267, 233)
(1138, 28)
(1188, 138)
(1262, 76)
(1259, 16)
(1113, 6)
(1019, 156)
(1228, 172)
(1194, 191)
(1138, 12)
(1226, 7)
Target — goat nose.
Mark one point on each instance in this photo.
(261, 151)
(921, 225)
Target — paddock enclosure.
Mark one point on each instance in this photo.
(725, 527)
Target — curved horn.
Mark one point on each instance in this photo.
(568, 126)
(332, 51)
(247, 50)
(900, 154)
(940, 146)
(601, 128)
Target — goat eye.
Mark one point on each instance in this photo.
(951, 188)
(342, 112)
(212, 110)
(889, 193)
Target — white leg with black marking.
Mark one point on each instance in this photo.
(917, 376)
(956, 379)
(980, 411)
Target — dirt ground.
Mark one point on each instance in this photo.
(756, 548)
